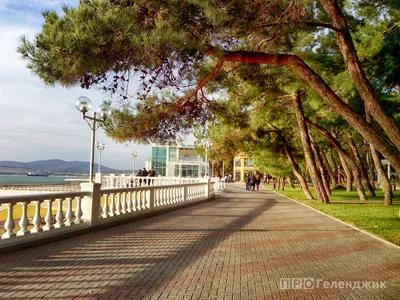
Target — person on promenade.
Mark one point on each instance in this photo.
(252, 182)
(152, 173)
(247, 180)
(139, 174)
(144, 174)
(258, 181)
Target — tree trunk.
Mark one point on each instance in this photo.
(305, 138)
(348, 174)
(371, 169)
(346, 160)
(335, 165)
(320, 166)
(361, 166)
(291, 184)
(384, 180)
(283, 183)
(297, 173)
(361, 82)
(325, 161)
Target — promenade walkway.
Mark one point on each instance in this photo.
(242, 245)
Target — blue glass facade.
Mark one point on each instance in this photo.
(159, 160)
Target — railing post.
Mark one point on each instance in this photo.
(91, 204)
(208, 188)
(98, 178)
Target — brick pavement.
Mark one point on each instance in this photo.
(239, 246)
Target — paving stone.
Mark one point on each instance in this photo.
(242, 245)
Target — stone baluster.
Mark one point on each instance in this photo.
(49, 216)
(123, 203)
(118, 205)
(37, 219)
(169, 196)
(156, 197)
(164, 196)
(129, 201)
(69, 214)
(23, 222)
(112, 205)
(9, 225)
(138, 200)
(134, 200)
(105, 206)
(147, 202)
(59, 215)
(78, 211)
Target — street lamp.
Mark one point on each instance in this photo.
(134, 154)
(100, 147)
(83, 104)
(207, 144)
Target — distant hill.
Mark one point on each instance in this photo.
(52, 166)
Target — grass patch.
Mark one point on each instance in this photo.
(378, 219)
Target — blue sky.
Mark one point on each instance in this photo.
(39, 122)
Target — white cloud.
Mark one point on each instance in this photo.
(39, 122)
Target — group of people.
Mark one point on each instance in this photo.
(145, 173)
(253, 182)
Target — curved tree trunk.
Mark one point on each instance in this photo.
(335, 165)
(384, 180)
(361, 167)
(346, 161)
(371, 169)
(325, 161)
(347, 172)
(297, 173)
(318, 161)
(305, 138)
(291, 184)
(361, 82)
(295, 167)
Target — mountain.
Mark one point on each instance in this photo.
(52, 166)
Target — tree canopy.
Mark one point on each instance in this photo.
(181, 51)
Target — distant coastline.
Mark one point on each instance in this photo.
(53, 167)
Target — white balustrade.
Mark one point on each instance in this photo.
(29, 225)
(94, 205)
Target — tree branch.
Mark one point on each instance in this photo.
(312, 24)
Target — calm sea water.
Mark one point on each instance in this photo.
(24, 179)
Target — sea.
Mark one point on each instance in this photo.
(24, 179)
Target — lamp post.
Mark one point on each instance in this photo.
(83, 104)
(207, 144)
(338, 174)
(100, 147)
(134, 154)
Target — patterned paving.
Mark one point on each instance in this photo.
(242, 245)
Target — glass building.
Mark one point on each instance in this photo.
(177, 160)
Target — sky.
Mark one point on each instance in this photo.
(39, 122)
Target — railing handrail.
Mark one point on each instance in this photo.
(147, 187)
(40, 197)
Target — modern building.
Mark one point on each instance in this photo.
(177, 160)
(242, 166)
